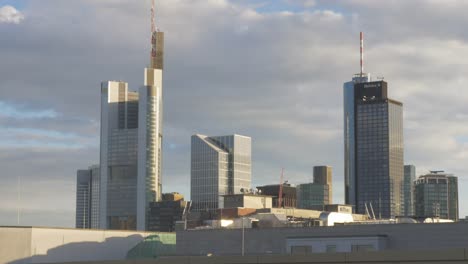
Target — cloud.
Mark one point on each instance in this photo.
(22, 112)
(9, 14)
(273, 73)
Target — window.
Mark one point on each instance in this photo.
(331, 248)
(362, 248)
(301, 250)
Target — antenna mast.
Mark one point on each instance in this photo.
(153, 23)
(362, 51)
(280, 193)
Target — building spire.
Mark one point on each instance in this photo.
(362, 51)
(153, 23)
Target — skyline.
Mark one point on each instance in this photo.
(317, 51)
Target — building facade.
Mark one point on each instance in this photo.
(219, 166)
(323, 175)
(149, 183)
(87, 198)
(118, 158)
(436, 195)
(408, 190)
(312, 195)
(83, 199)
(164, 214)
(378, 150)
(247, 200)
(349, 136)
(289, 199)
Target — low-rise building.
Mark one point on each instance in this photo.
(247, 200)
(164, 214)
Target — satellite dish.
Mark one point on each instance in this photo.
(242, 190)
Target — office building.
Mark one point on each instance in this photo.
(349, 135)
(150, 135)
(312, 196)
(323, 175)
(219, 165)
(378, 150)
(436, 195)
(118, 158)
(289, 199)
(407, 192)
(87, 198)
(164, 214)
(83, 199)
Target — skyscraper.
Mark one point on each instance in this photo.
(87, 197)
(436, 195)
(349, 134)
(378, 150)
(150, 131)
(118, 158)
(408, 190)
(219, 165)
(83, 199)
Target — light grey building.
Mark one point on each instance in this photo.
(87, 198)
(378, 150)
(436, 195)
(408, 190)
(349, 136)
(150, 134)
(219, 165)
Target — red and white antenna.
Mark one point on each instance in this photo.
(362, 52)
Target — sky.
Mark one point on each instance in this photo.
(271, 70)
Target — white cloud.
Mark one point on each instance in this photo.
(9, 14)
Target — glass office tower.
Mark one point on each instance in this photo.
(88, 197)
(118, 157)
(219, 165)
(349, 144)
(436, 195)
(408, 190)
(378, 150)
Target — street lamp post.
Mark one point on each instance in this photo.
(243, 236)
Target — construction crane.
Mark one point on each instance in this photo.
(280, 193)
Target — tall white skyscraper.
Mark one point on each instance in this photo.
(219, 165)
(150, 132)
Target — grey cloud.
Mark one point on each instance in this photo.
(276, 77)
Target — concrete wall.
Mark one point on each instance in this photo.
(51, 245)
(15, 243)
(452, 256)
(273, 240)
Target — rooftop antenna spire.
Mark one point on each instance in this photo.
(361, 36)
(153, 23)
